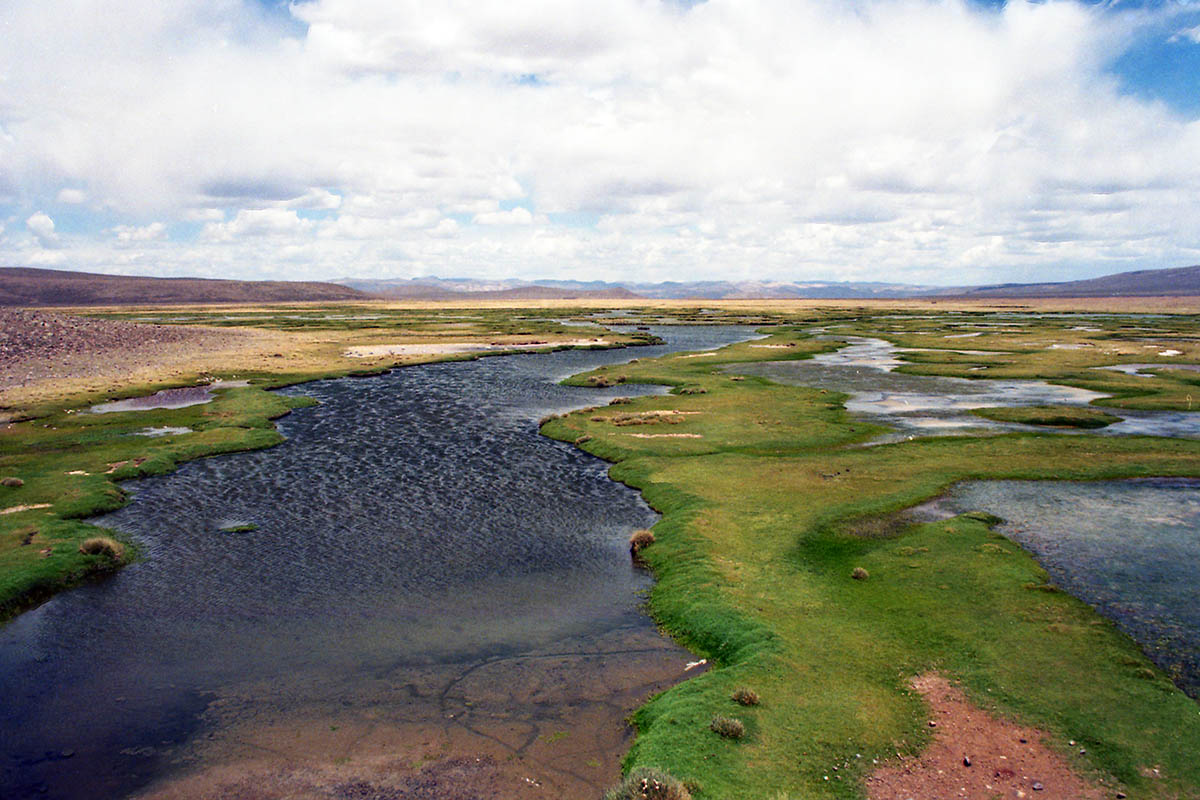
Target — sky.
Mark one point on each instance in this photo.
(936, 142)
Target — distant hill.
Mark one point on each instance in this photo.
(465, 289)
(20, 286)
(1178, 282)
(1182, 282)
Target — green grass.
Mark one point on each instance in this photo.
(1049, 416)
(766, 516)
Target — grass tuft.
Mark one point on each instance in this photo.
(648, 783)
(14, 483)
(860, 574)
(639, 540)
(745, 697)
(103, 546)
(727, 727)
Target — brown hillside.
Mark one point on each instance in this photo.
(20, 286)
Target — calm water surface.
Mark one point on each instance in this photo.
(1128, 548)
(410, 520)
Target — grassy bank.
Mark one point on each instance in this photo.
(766, 518)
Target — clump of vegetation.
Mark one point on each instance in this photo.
(647, 783)
(640, 540)
(691, 390)
(245, 528)
(103, 546)
(745, 697)
(727, 727)
(12, 482)
(860, 574)
(1050, 416)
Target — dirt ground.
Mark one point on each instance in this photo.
(978, 756)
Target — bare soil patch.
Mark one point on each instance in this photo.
(978, 756)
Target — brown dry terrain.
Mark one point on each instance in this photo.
(46, 356)
(20, 286)
(977, 756)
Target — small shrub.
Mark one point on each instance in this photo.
(745, 697)
(727, 727)
(15, 483)
(860, 574)
(639, 540)
(102, 546)
(647, 783)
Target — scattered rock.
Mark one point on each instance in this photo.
(966, 761)
(1037, 786)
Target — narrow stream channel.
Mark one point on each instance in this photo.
(422, 558)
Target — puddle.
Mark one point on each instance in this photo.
(1128, 548)
(1140, 369)
(167, 398)
(165, 430)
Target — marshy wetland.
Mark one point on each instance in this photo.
(425, 593)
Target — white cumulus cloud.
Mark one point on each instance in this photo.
(128, 234)
(258, 222)
(72, 196)
(42, 228)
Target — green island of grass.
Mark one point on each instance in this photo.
(1049, 416)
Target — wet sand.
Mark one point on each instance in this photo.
(544, 724)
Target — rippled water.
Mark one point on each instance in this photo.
(1128, 548)
(410, 520)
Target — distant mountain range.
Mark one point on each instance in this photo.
(1183, 281)
(456, 288)
(21, 286)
